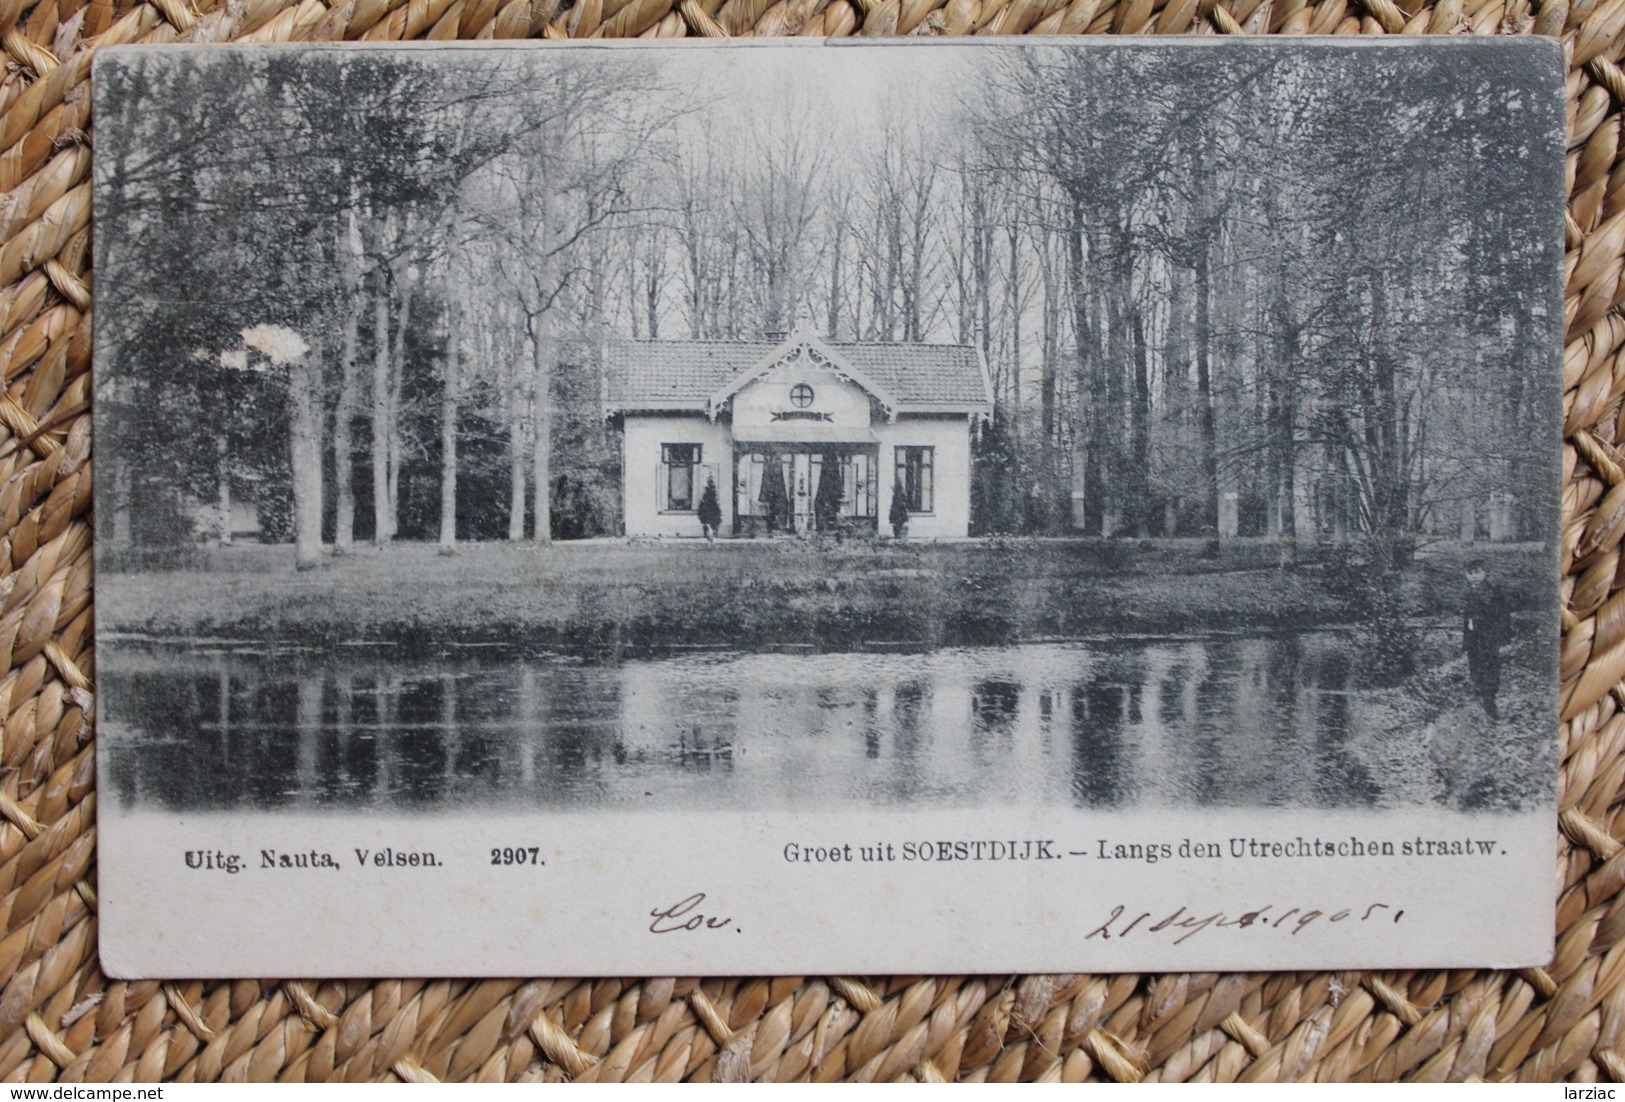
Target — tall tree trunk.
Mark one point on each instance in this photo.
(652, 277)
(1140, 428)
(1284, 429)
(397, 446)
(516, 461)
(1013, 296)
(1116, 371)
(381, 426)
(397, 380)
(1176, 380)
(885, 283)
(448, 448)
(222, 474)
(1089, 358)
(860, 291)
(343, 445)
(914, 280)
(1049, 383)
(544, 355)
(1018, 487)
(835, 278)
(699, 325)
(1206, 439)
(305, 457)
(1049, 339)
(1386, 438)
(966, 271)
(544, 362)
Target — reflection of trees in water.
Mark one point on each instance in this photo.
(995, 706)
(202, 752)
(910, 713)
(908, 705)
(1193, 745)
(322, 737)
(332, 769)
(562, 742)
(1167, 723)
(1237, 722)
(1244, 736)
(415, 747)
(1342, 777)
(871, 726)
(1291, 712)
(1097, 743)
(1046, 723)
(996, 703)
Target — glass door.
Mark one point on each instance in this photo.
(803, 481)
(859, 491)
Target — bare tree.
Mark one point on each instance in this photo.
(450, 394)
(562, 183)
(776, 206)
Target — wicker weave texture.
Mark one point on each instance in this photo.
(60, 1019)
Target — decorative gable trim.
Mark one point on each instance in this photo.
(803, 346)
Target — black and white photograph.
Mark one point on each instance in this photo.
(1136, 430)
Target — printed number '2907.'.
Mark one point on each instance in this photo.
(516, 855)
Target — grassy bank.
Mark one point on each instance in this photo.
(592, 597)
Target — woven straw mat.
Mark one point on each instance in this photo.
(61, 1019)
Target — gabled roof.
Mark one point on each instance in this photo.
(803, 348)
(689, 374)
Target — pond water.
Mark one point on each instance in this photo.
(1147, 722)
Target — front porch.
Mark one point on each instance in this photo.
(794, 489)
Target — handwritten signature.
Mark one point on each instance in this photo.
(1188, 924)
(683, 915)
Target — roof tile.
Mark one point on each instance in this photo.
(655, 374)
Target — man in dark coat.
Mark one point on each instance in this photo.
(1486, 628)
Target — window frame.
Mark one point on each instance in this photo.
(915, 467)
(860, 484)
(668, 467)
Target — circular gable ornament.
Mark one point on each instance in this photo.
(801, 395)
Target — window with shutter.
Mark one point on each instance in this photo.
(677, 470)
(915, 474)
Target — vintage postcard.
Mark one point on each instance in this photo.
(802, 507)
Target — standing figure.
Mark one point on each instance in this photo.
(1486, 628)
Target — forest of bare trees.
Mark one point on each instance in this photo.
(368, 293)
